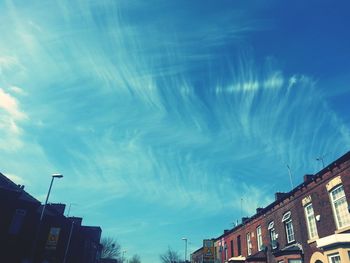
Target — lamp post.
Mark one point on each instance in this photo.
(56, 175)
(185, 239)
(48, 194)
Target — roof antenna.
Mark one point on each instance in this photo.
(321, 159)
(290, 176)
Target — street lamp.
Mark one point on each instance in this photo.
(185, 239)
(48, 194)
(56, 175)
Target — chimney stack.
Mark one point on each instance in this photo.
(279, 195)
(308, 177)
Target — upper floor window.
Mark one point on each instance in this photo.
(340, 207)
(310, 221)
(239, 248)
(272, 234)
(231, 243)
(249, 245)
(259, 238)
(288, 224)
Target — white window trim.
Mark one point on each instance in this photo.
(249, 244)
(333, 207)
(330, 257)
(259, 238)
(308, 222)
(274, 239)
(286, 216)
(271, 225)
(286, 230)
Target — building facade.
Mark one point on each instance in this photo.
(24, 238)
(311, 223)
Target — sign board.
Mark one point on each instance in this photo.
(208, 249)
(52, 239)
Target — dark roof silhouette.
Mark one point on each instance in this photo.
(7, 184)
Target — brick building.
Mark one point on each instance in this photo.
(311, 223)
(24, 239)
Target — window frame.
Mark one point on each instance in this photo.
(272, 234)
(259, 238)
(239, 245)
(288, 226)
(310, 221)
(332, 256)
(337, 216)
(249, 244)
(226, 252)
(232, 248)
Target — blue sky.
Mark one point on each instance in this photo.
(162, 115)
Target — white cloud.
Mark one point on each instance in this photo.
(10, 105)
(274, 81)
(10, 117)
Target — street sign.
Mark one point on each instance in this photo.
(52, 239)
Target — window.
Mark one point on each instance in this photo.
(288, 227)
(239, 245)
(289, 231)
(225, 247)
(335, 258)
(340, 207)
(17, 221)
(259, 237)
(272, 234)
(231, 243)
(249, 245)
(310, 221)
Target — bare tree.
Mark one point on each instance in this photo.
(170, 256)
(111, 248)
(135, 259)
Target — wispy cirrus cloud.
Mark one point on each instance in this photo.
(152, 110)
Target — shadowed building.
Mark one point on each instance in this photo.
(23, 238)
